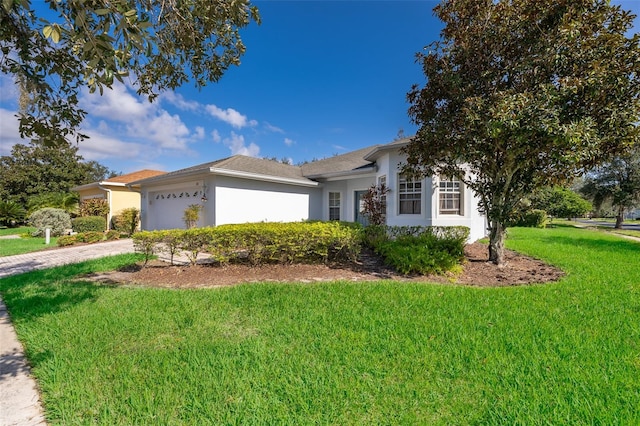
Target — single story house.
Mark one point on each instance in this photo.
(241, 189)
(117, 191)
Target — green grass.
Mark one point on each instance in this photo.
(9, 247)
(16, 231)
(343, 353)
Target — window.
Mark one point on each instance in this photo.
(409, 195)
(334, 206)
(450, 196)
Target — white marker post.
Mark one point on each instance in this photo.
(47, 236)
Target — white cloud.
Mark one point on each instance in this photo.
(117, 104)
(9, 134)
(230, 116)
(179, 101)
(198, 133)
(100, 147)
(272, 128)
(237, 146)
(216, 136)
(289, 142)
(166, 129)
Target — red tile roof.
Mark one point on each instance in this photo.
(131, 177)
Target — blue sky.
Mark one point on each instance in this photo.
(319, 78)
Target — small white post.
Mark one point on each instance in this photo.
(47, 236)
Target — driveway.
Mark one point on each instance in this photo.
(628, 226)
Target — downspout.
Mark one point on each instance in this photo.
(108, 191)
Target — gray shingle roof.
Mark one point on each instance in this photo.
(350, 161)
(361, 160)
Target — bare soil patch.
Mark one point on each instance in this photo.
(476, 271)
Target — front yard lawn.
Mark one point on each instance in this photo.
(16, 231)
(11, 246)
(343, 353)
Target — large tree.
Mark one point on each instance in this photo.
(158, 44)
(616, 181)
(524, 93)
(38, 169)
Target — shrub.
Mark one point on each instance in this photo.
(67, 240)
(89, 224)
(94, 207)
(419, 249)
(191, 215)
(11, 213)
(532, 219)
(112, 235)
(259, 243)
(90, 237)
(147, 243)
(126, 221)
(57, 220)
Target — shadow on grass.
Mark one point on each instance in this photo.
(42, 292)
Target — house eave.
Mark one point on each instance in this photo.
(375, 153)
(262, 177)
(97, 185)
(344, 174)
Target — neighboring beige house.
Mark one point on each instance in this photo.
(116, 192)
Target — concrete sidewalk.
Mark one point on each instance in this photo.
(19, 398)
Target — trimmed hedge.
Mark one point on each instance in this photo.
(87, 237)
(89, 224)
(420, 249)
(258, 243)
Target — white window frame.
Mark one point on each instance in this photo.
(450, 196)
(335, 206)
(410, 190)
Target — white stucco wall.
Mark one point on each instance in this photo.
(234, 205)
(389, 165)
(244, 200)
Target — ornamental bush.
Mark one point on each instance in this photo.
(532, 219)
(420, 249)
(66, 240)
(89, 224)
(57, 220)
(90, 237)
(126, 221)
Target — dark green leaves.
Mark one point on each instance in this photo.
(161, 44)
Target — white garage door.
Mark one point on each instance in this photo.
(166, 208)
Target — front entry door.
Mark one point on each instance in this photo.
(359, 215)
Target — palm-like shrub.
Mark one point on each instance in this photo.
(67, 201)
(11, 213)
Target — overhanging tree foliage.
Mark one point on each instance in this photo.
(159, 44)
(617, 181)
(521, 94)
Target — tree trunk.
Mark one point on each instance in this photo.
(496, 243)
(619, 218)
